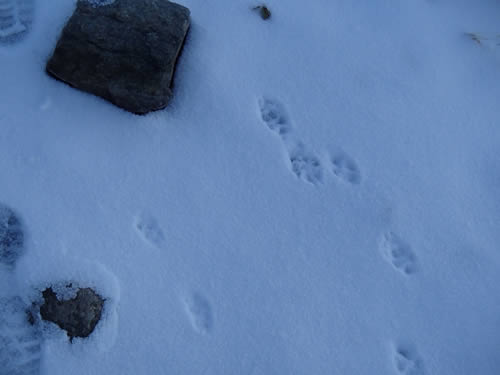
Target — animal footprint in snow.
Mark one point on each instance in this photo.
(16, 17)
(345, 168)
(150, 230)
(274, 115)
(20, 349)
(397, 252)
(407, 361)
(200, 313)
(11, 236)
(306, 165)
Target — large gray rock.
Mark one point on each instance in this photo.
(124, 52)
(11, 236)
(78, 316)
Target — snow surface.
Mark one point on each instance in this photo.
(322, 196)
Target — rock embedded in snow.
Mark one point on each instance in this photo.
(124, 52)
(78, 316)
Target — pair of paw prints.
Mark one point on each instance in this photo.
(304, 163)
(398, 253)
(196, 306)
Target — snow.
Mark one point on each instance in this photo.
(321, 196)
(101, 2)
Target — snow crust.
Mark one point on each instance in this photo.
(322, 196)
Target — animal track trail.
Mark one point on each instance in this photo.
(407, 360)
(303, 163)
(149, 230)
(16, 18)
(200, 313)
(346, 169)
(20, 343)
(398, 253)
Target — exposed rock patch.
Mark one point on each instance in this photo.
(78, 316)
(124, 52)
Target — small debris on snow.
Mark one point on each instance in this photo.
(264, 11)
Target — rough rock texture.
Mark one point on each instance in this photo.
(77, 316)
(124, 52)
(11, 236)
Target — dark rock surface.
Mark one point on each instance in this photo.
(11, 236)
(264, 11)
(124, 52)
(77, 316)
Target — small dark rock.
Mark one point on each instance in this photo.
(77, 316)
(264, 11)
(124, 52)
(11, 236)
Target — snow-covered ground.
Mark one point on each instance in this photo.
(322, 196)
